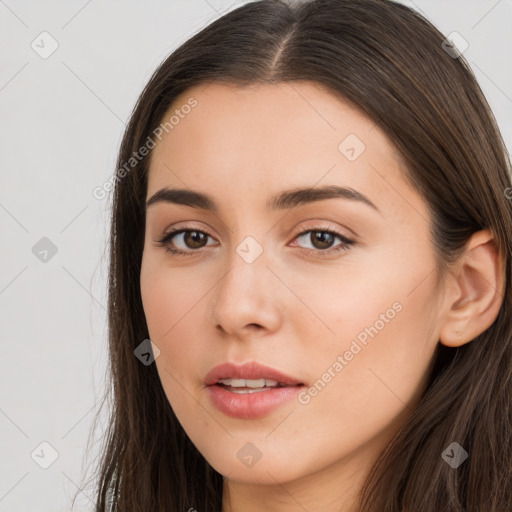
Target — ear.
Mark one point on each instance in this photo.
(474, 293)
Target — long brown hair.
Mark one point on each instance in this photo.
(390, 62)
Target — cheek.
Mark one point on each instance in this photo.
(170, 304)
(175, 305)
(375, 364)
(169, 296)
(349, 303)
(375, 387)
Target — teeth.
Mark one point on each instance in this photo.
(244, 391)
(249, 383)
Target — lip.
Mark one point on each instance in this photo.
(250, 405)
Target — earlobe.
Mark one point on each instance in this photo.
(475, 293)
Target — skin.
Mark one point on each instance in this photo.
(294, 311)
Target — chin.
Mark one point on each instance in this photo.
(266, 471)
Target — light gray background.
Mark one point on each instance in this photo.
(61, 124)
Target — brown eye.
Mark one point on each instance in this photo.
(195, 239)
(322, 242)
(321, 239)
(184, 241)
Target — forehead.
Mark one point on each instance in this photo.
(299, 116)
(266, 137)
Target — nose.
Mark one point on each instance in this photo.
(247, 298)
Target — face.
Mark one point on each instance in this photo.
(336, 290)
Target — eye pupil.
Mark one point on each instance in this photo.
(321, 236)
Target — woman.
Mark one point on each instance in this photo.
(312, 224)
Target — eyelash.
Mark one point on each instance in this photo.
(346, 242)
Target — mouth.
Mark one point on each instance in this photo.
(250, 391)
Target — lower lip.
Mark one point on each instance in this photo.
(251, 405)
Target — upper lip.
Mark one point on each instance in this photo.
(250, 370)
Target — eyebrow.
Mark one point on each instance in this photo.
(286, 199)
